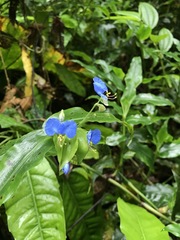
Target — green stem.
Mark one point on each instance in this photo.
(84, 120)
(149, 205)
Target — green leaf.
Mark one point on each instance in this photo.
(70, 80)
(169, 150)
(68, 21)
(148, 98)
(9, 122)
(148, 14)
(36, 209)
(162, 135)
(26, 153)
(166, 43)
(143, 153)
(133, 79)
(143, 32)
(78, 199)
(159, 194)
(115, 139)
(125, 16)
(65, 148)
(173, 228)
(176, 208)
(79, 114)
(144, 120)
(136, 223)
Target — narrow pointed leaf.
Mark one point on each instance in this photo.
(136, 223)
(133, 79)
(36, 209)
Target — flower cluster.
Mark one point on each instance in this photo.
(69, 128)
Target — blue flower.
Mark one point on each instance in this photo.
(55, 126)
(66, 168)
(100, 87)
(94, 136)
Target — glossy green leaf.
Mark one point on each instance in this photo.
(133, 79)
(149, 98)
(78, 199)
(148, 14)
(142, 152)
(162, 135)
(36, 209)
(125, 16)
(136, 223)
(159, 194)
(171, 150)
(9, 122)
(27, 152)
(144, 120)
(115, 139)
(173, 228)
(68, 21)
(166, 43)
(79, 114)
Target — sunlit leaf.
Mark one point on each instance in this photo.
(170, 150)
(166, 43)
(36, 209)
(148, 14)
(136, 223)
(173, 228)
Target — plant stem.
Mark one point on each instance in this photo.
(149, 205)
(84, 120)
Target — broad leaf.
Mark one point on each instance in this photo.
(79, 114)
(166, 43)
(173, 228)
(170, 150)
(148, 14)
(133, 79)
(36, 209)
(144, 120)
(136, 223)
(78, 199)
(142, 152)
(27, 152)
(148, 98)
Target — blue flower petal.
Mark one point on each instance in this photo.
(94, 136)
(100, 87)
(52, 126)
(70, 128)
(66, 168)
